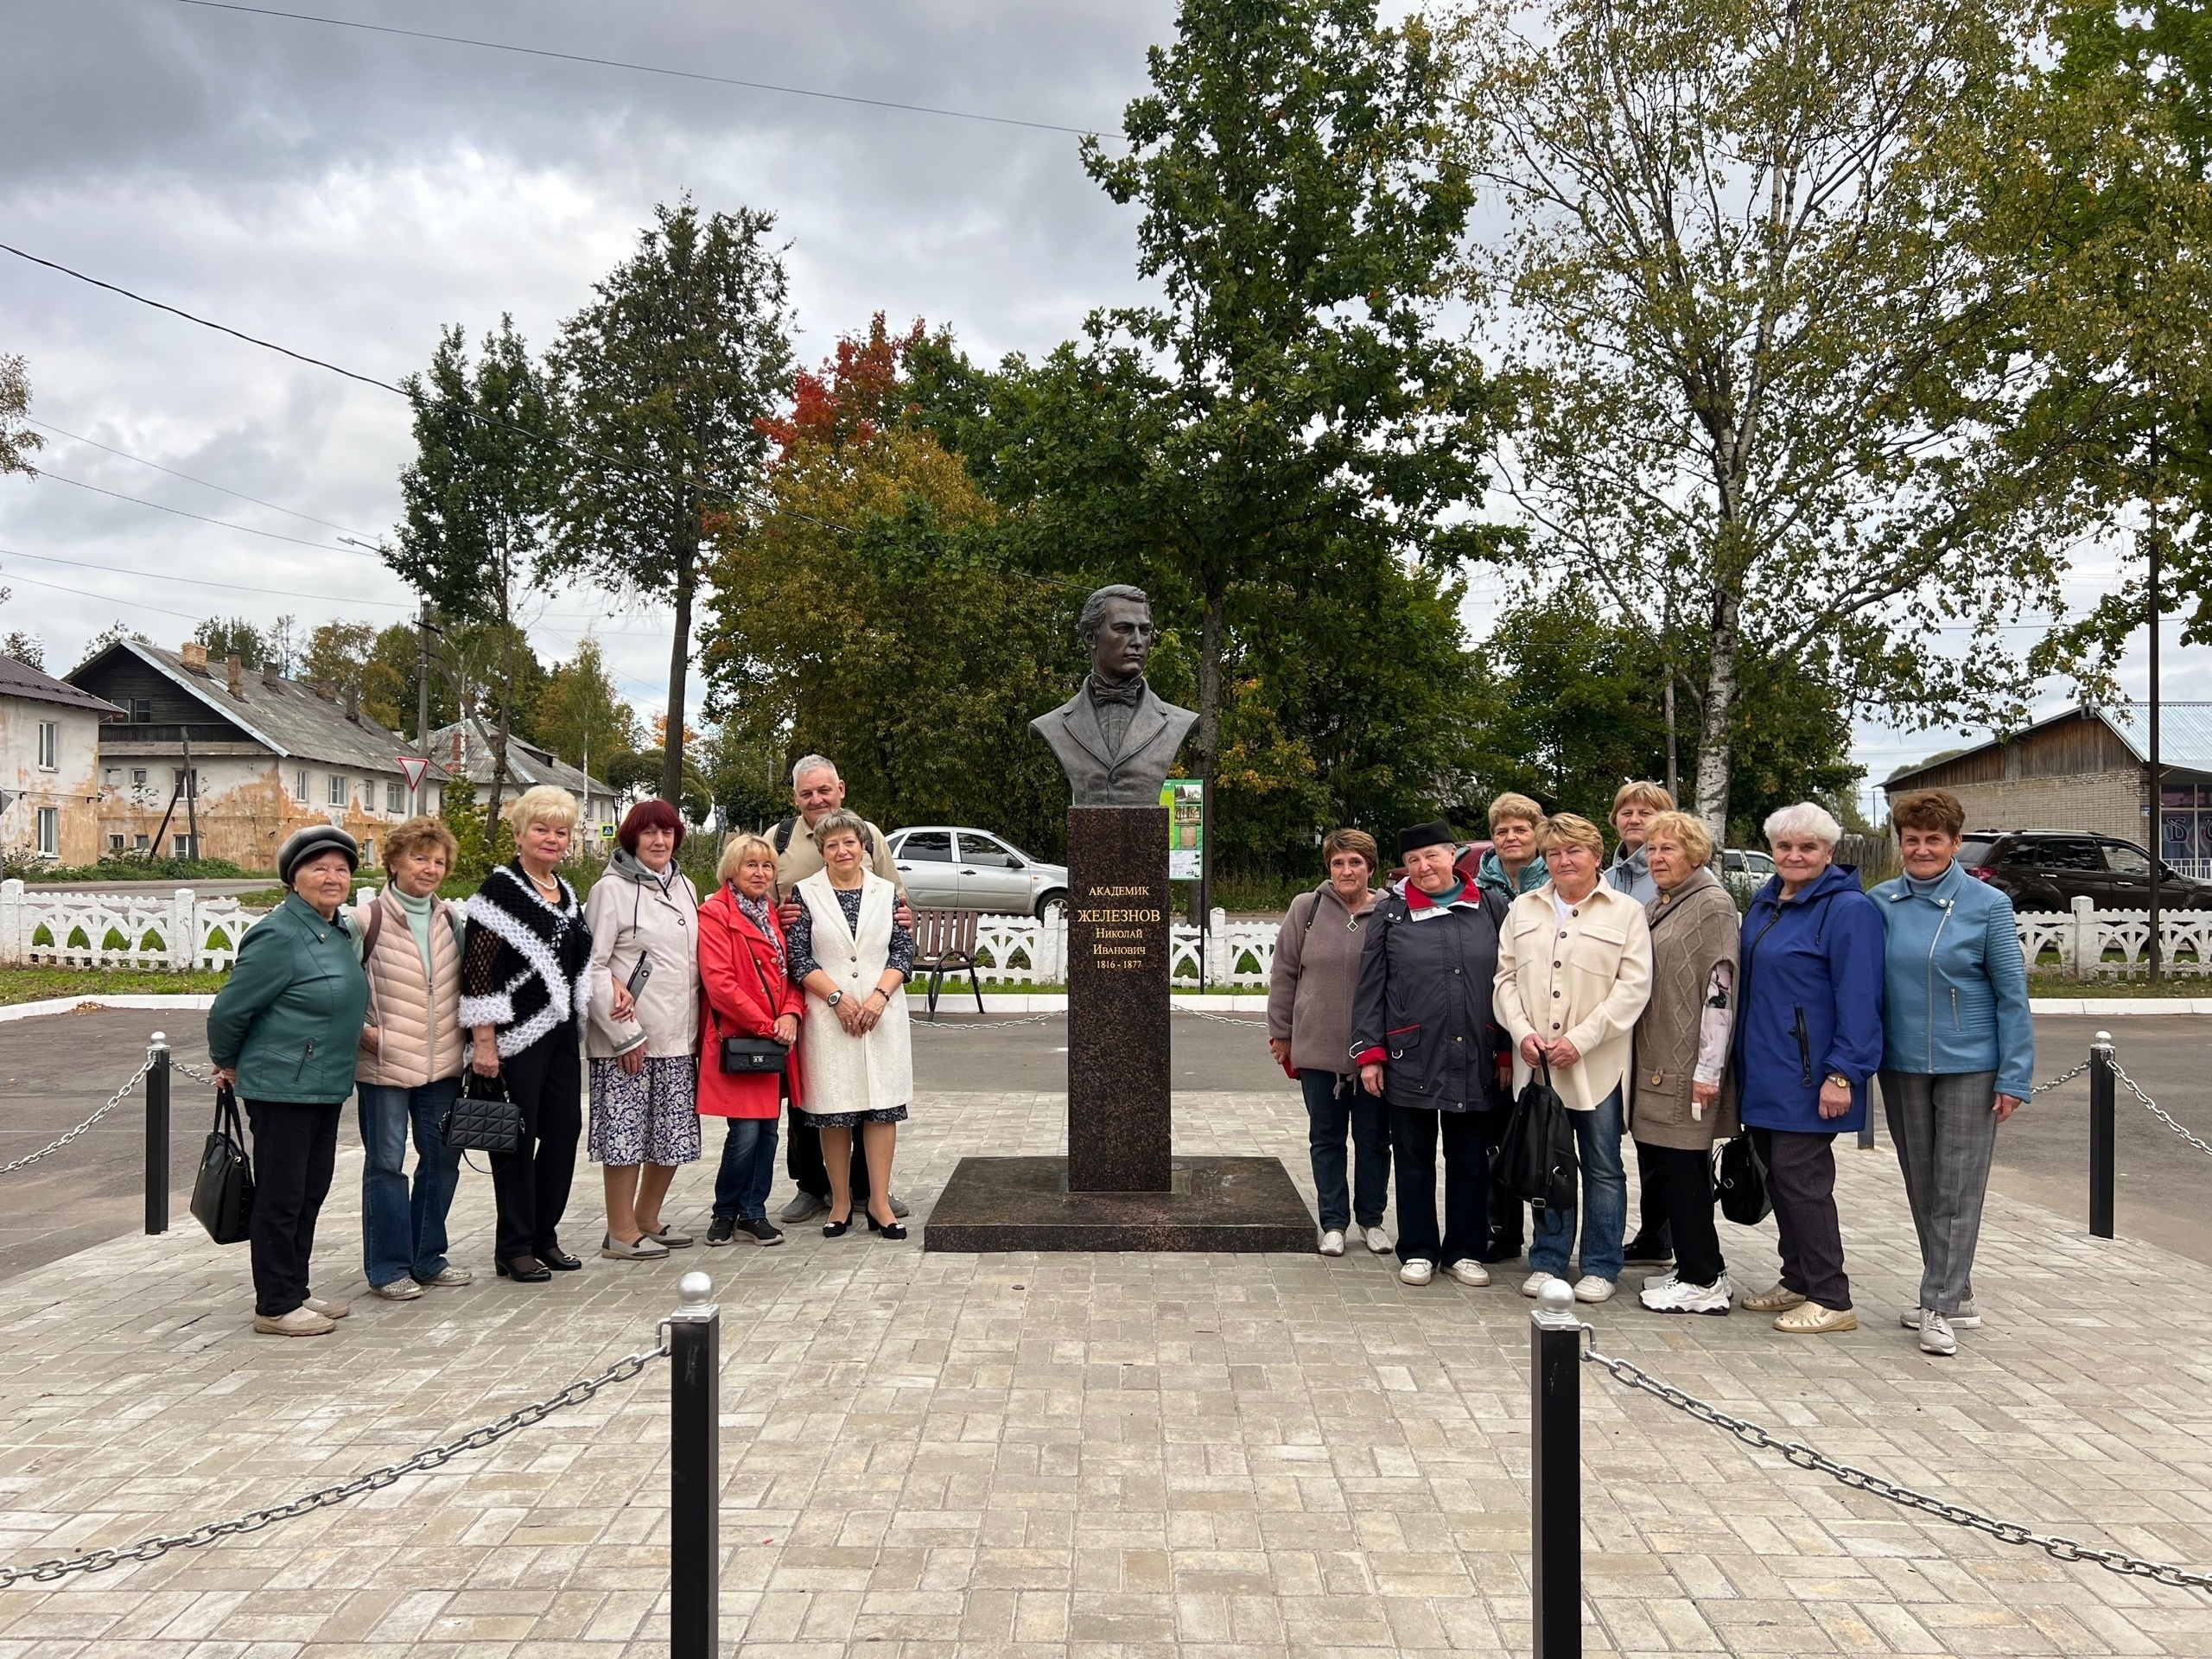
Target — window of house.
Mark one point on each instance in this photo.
(49, 745)
(395, 798)
(186, 783)
(368, 852)
(142, 711)
(300, 786)
(138, 779)
(114, 777)
(114, 841)
(181, 847)
(337, 790)
(50, 832)
(141, 844)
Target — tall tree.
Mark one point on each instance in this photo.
(478, 496)
(664, 383)
(1769, 383)
(234, 636)
(581, 715)
(1294, 404)
(17, 441)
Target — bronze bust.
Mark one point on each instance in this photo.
(1115, 739)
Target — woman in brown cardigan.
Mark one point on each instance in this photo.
(1682, 1047)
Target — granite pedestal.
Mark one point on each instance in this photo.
(1120, 1187)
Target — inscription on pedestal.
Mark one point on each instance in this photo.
(1119, 1125)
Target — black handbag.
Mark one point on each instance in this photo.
(1739, 1179)
(222, 1192)
(1535, 1160)
(483, 1119)
(743, 1055)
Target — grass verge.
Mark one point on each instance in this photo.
(37, 985)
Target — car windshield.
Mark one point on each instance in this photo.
(1974, 852)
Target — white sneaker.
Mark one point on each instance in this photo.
(1670, 1295)
(1378, 1241)
(1660, 1280)
(1591, 1289)
(1468, 1271)
(301, 1321)
(329, 1310)
(1417, 1272)
(399, 1290)
(1333, 1243)
(1968, 1317)
(1935, 1335)
(1536, 1282)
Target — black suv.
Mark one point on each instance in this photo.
(2046, 869)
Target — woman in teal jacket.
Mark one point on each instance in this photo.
(283, 1033)
(1959, 1050)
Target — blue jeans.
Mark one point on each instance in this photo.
(748, 1170)
(1334, 1104)
(1604, 1200)
(403, 1232)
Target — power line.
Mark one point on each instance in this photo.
(638, 68)
(202, 581)
(292, 512)
(109, 599)
(221, 524)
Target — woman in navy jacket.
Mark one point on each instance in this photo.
(1960, 1053)
(1809, 1041)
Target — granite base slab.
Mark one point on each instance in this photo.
(994, 1204)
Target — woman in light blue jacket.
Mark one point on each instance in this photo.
(1959, 1050)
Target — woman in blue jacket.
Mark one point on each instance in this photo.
(1960, 1051)
(1809, 1040)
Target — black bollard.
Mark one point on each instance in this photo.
(2100, 1156)
(1556, 1473)
(694, 1542)
(157, 1134)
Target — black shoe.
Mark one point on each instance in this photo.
(722, 1230)
(759, 1230)
(1643, 1251)
(837, 1229)
(523, 1270)
(1499, 1249)
(894, 1232)
(559, 1260)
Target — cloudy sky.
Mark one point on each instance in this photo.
(348, 193)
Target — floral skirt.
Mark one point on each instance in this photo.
(651, 1117)
(852, 1119)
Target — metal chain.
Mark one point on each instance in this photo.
(193, 1071)
(2157, 1110)
(2048, 1084)
(1804, 1457)
(147, 1549)
(113, 1101)
(993, 1025)
(1220, 1019)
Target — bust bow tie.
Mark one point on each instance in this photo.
(1130, 691)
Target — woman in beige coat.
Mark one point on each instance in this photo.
(1681, 1049)
(644, 918)
(1573, 974)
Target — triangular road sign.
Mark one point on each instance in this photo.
(414, 767)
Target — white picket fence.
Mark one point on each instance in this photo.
(182, 931)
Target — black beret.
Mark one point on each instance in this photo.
(303, 844)
(1434, 834)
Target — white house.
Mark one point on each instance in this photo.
(465, 749)
(49, 766)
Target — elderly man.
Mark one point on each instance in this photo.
(1115, 740)
(818, 791)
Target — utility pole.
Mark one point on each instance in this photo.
(422, 703)
(2157, 781)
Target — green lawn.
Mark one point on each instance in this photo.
(37, 984)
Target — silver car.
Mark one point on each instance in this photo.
(950, 867)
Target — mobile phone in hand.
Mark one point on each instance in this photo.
(640, 974)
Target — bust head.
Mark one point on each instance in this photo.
(1116, 625)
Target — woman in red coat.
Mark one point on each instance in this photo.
(749, 994)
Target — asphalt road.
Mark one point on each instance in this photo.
(54, 1070)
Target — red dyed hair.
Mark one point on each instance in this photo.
(651, 813)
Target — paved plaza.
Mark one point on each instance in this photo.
(1025, 1456)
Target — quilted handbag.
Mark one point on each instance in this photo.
(483, 1119)
(1535, 1160)
(222, 1192)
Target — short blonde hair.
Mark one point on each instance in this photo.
(1510, 806)
(1642, 791)
(1685, 830)
(1805, 818)
(734, 851)
(419, 834)
(1570, 827)
(545, 803)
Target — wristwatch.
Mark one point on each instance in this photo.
(1839, 1080)
(834, 998)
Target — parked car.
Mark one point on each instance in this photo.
(2047, 869)
(949, 866)
(1744, 871)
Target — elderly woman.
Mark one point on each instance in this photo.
(1681, 1051)
(644, 918)
(744, 969)
(1513, 865)
(1309, 1033)
(1809, 1038)
(1427, 1045)
(1958, 1050)
(1574, 975)
(525, 989)
(408, 1071)
(1634, 805)
(282, 1032)
(853, 957)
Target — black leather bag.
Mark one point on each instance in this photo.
(744, 1054)
(1535, 1159)
(222, 1192)
(483, 1119)
(1739, 1181)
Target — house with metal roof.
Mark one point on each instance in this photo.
(465, 749)
(2086, 768)
(210, 759)
(49, 766)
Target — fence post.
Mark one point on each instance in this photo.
(1218, 954)
(695, 1543)
(157, 1133)
(1556, 1473)
(2100, 1154)
(2082, 952)
(14, 938)
(184, 933)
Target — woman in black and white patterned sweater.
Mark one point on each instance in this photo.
(525, 989)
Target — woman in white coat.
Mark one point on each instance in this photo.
(853, 958)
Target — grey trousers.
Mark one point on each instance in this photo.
(1945, 1130)
(1801, 1179)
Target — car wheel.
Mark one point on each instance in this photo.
(1055, 899)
